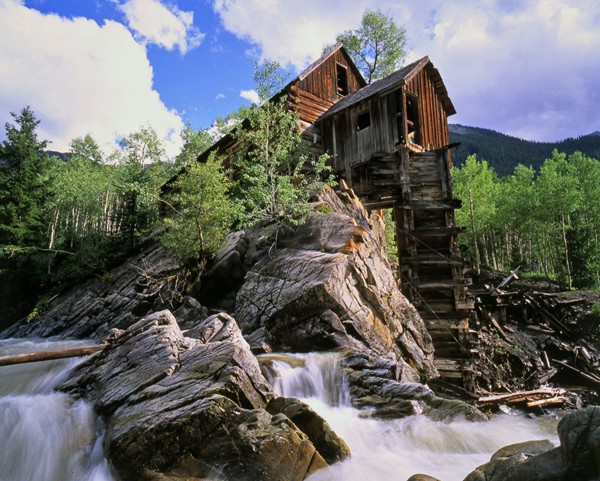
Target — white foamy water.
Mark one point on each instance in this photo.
(397, 449)
(44, 435)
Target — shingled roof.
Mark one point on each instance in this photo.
(398, 78)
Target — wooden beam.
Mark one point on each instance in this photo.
(49, 355)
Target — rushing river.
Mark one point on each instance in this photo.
(45, 435)
(397, 449)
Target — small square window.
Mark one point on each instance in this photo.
(363, 120)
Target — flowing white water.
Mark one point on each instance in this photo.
(397, 449)
(45, 435)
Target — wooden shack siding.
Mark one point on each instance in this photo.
(322, 82)
(354, 146)
(433, 120)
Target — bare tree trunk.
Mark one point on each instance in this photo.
(477, 265)
(564, 235)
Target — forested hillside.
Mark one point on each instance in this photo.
(503, 152)
(546, 220)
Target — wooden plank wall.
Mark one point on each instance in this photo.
(353, 146)
(322, 82)
(433, 118)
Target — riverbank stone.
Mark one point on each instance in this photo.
(177, 407)
(326, 441)
(388, 388)
(576, 459)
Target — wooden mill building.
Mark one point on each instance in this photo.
(389, 142)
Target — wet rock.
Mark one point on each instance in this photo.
(504, 464)
(576, 459)
(183, 408)
(421, 477)
(389, 389)
(328, 284)
(326, 441)
(579, 434)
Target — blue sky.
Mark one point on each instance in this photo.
(106, 67)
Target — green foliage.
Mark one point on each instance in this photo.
(25, 183)
(377, 46)
(139, 177)
(476, 184)
(41, 306)
(390, 236)
(324, 209)
(194, 143)
(594, 314)
(547, 222)
(272, 157)
(203, 211)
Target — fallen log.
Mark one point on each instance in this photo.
(520, 397)
(589, 376)
(544, 402)
(49, 355)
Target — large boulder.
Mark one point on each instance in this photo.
(327, 442)
(183, 408)
(325, 284)
(576, 459)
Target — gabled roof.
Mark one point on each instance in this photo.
(305, 73)
(317, 63)
(397, 79)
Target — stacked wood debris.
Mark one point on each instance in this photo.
(533, 345)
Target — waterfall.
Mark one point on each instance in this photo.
(46, 435)
(396, 449)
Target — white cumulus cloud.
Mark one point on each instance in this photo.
(529, 69)
(250, 95)
(78, 77)
(285, 32)
(163, 25)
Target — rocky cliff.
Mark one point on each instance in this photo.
(180, 390)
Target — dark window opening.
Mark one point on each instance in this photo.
(413, 132)
(342, 80)
(363, 121)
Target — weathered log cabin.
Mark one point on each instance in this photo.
(389, 142)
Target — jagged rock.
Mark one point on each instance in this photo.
(504, 462)
(421, 477)
(182, 408)
(576, 459)
(328, 284)
(579, 434)
(389, 389)
(190, 313)
(117, 299)
(328, 444)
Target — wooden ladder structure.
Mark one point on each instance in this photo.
(431, 265)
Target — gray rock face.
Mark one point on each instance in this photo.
(118, 299)
(576, 459)
(326, 284)
(390, 389)
(329, 444)
(177, 407)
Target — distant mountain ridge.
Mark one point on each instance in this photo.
(504, 153)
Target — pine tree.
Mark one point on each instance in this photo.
(25, 183)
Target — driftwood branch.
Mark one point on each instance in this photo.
(48, 355)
